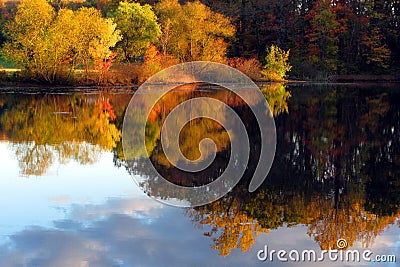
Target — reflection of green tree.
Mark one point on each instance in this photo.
(67, 127)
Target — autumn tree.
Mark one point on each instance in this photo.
(193, 31)
(27, 35)
(376, 52)
(251, 67)
(322, 36)
(277, 64)
(96, 36)
(49, 45)
(138, 26)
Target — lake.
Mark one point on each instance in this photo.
(69, 196)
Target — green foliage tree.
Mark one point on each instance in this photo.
(138, 26)
(96, 35)
(277, 64)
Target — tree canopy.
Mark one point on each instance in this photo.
(49, 44)
(138, 26)
(193, 31)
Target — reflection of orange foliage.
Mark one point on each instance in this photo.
(106, 106)
(154, 113)
(237, 217)
(237, 229)
(352, 223)
(170, 100)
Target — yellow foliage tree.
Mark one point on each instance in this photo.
(193, 31)
(49, 45)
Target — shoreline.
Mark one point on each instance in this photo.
(43, 88)
(337, 80)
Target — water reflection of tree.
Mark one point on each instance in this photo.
(232, 225)
(190, 135)
(336, 168)
(277, 96)
(43, 128)
(327, 132)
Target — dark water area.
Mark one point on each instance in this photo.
(68, 195)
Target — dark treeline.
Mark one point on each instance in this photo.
(324, 37)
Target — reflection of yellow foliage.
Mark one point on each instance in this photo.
(277, 97)
(238, 230)
(51, 126)
(198, 129)
(33, 159)
(192, 133)
(237, 222)
(105, 132)
(351, 223)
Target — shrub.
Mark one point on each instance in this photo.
(277, 64)
(251, 67)
(124, 74)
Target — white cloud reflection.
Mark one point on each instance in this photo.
(117, 233)
(143, 232)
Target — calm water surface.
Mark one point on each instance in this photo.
(68, 198)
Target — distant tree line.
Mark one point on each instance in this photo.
(50, 39)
